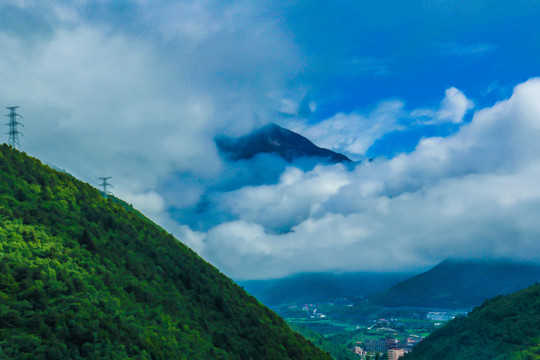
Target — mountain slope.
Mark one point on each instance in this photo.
(506, 327)
(273, 139)
(337, 350)
(82, 276)
(457, 284)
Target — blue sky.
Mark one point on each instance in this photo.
(442, 95)
(362, 52)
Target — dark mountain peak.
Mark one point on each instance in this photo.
(274, 139)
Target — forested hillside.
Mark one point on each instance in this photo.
(506, 327)
(454, 284)
(83, 276)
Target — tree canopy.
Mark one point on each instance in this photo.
(505, 327)
(88, 277)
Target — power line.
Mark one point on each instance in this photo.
(13, 132)
(104, 184)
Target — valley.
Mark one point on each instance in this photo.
(361, 327)
(373, 313)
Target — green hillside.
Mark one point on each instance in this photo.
(84, 277)
(506, 327)
(337, 350)
(456, 284)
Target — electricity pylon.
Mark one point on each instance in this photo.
(104, 184)
(13, 132)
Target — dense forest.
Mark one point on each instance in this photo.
(506, 327)
(88, 277)
(336, 349)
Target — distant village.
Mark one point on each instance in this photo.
(381, 338)
(394, 347)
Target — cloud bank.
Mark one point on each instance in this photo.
(139, 91)
(470, 195)
(140, 103)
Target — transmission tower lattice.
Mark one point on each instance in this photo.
(104, 184)
(13, 132)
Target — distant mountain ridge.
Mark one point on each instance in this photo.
(274, 139)
(457, 284)
(320, 287)
(451, 284)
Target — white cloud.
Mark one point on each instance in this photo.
(85, 94)
(150, 203)
(452, 109)
(294, 199)
(454, 106)
(102, 100)
(144, 105)
(354, 133)
(473, 194)
(195, 240)
(289, 107)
